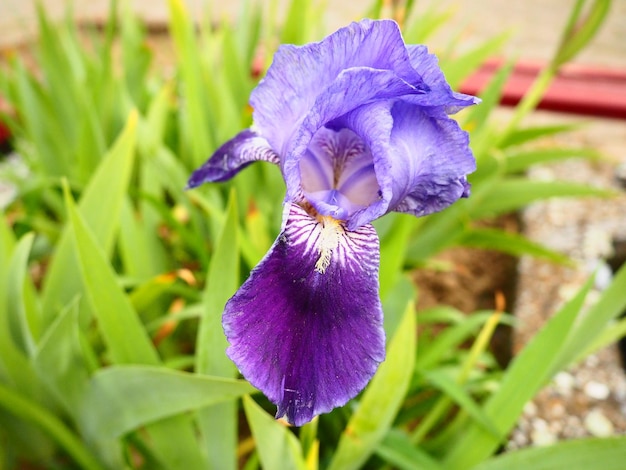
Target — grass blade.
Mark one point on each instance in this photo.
(528, 372)
(222, 281)
(511, 243)
(101, 215)
(138, 395)
(381, 400)
(580, 454)
(276, 445)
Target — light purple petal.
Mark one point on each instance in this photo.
(373, 124)
(421, 158)
(337, 173)
(432, 161)
(232, 157)
(306, 327)
(300, 74)
(352, 88)
(441, 95)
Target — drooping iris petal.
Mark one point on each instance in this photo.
(337, 173)
(433, 159)
(232, 157)
(441, 95)
(306, 327)
(300, 74)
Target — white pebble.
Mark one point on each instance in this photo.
(530, 409)
(542, 437)
(597, 390)
(598, 424)
(564, 383)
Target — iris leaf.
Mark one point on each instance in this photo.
(276, 445)
(127, 342)
(59, 361)
(101, 214)
(580, 454)
(397, 450)
(222, 280)
(521, 161)
(528, 134)
(513, 193)
(21, 318)
(124, 390)
(459, 68)
(511, 243)
(195, 123)
(529, 371)
(381, 400)
(610, 306)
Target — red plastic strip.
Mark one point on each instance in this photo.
(576, 89)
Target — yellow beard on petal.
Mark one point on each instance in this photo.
(330, 233)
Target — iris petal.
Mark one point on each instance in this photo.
(441, 95)
(337, 173)
(306, 327)
(300, 75)
(433, 160)
(232, 157)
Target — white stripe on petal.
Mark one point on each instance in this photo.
(330, 242)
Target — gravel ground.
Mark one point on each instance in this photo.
(590, 398)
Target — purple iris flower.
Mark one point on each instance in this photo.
(359, 125)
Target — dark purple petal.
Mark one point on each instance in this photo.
(432, 161)
(232, 157)
(441, 95)
(300, 74)
(306, 327)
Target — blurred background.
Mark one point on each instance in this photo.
(535, 24)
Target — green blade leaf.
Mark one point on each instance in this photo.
(59, 361)
(513, 193)
(521, 161)
(31, 411)
(579, 454)
(522, 136)
(398, 451)
(197, 129)
(137, 395)
(20, 320)
(123, 333)
(459, 68)
(381, 400)
(222, 281)
(101, 214)
(511, 243)
(529, 371)
(610, 306)
(276, 445)
(456, 392)
(393, 251)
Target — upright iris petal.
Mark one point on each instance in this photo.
(358, 124)
(337, 172)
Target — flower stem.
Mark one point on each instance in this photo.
(30, 411)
